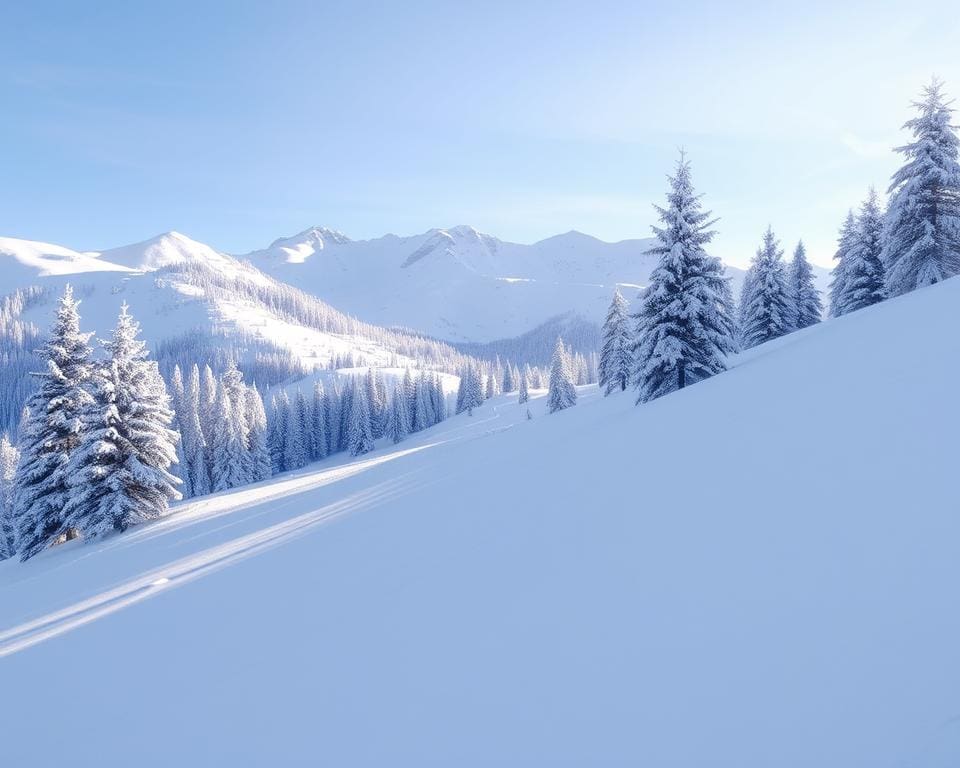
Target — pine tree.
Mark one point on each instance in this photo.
(864, 273)
(261, 468)
(923, 219)
(277, 432)
(52, 432)
(319, 439)
(524, 389)
(398, 415)
(563, 393)
(768, 313)
(846, 244)
(178, 403)
(509, 382)
(120, 472)
(296, 451)
(684, 328)
(9, 458)
(191, 435)
(615, 360)
(232, 466)
(805, 306)
(359, 438)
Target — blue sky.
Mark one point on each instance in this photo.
(240, 122)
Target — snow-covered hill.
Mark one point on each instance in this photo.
(756, 571)
(459, 284)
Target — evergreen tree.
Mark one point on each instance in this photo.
(746, 291)
(232, 466)
(9, 458)
(768, 313)
(296, 452)
(359, 438)
(846, 244)
(615, 360)
(52, 432)
(684, 328)
(923, 219)
(319, 439)
(805, 306)
(524, 389)
(261, 468)
(277, 435)
(864, 281)
(491, 390)
(120, 472)
(191, 436)
(178, 403)
(398, 415)
(509, 380)
(563, 393)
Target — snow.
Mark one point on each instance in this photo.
(497, 591)
(460, 284)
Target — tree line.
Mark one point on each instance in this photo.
(688, 324)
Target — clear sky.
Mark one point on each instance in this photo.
(239, 122)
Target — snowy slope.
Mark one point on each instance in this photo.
(756, 571)
(460, 284)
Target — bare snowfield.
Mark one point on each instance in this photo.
(755, 571)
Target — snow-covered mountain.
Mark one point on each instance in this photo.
(192, 302)
(460, 284)
(566, 590)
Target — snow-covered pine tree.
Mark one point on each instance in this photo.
(509, 382)
(922, 244)
(524, 389)
(296, 452)
(615, 354)
(191, 436)
(277, 431)
(684, 326)
(232, 466)
(864, 273)
(261, 468)
(563, 392)
(376, 400)
(768, 313)
(319, 442)
(359, 438)
(805, 306)
(491, 388)
(52, 432)
(9, 457)
(398, 415)
(120, 472)
(846, 243)
(178, 403)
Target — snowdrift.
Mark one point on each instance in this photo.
(756, 571)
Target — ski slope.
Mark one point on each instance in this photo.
(757, 571)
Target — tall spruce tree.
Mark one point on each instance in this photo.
(768, 312)
(805, 306)
(923, 218)
(684, 327)
(257, 437)
(846, 243)
(231, 458)
(9, 458)
(191, 435)
(398, 415)
(359, 437)
(864, 272)
(562, 392)
(615, 350)
(524, 395)
(52, 432)
(120, 472)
